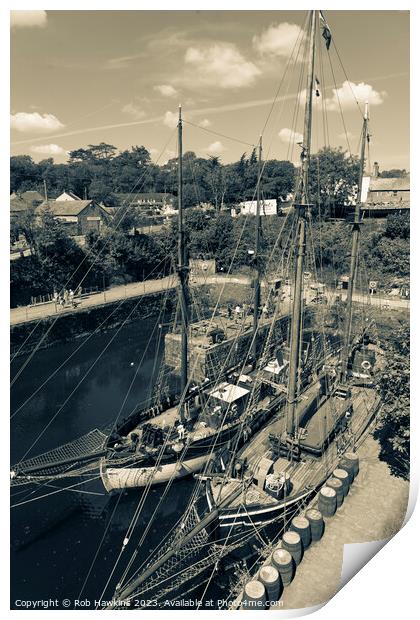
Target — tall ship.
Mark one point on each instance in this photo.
(249, 486)
(222, 397)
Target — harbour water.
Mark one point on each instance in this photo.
(58, 539)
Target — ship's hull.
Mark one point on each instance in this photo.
(193, 460)
(314, 473)
(233, 520)
(114, 478)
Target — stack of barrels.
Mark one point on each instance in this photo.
(333, 493)
(279, 569)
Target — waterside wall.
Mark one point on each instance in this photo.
(53, 330)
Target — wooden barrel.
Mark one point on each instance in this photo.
(316, 523)
(342, 475)
(327, 501)
(292, 542)
(353, 460)
(337, 485)
(270, 578)
(348, 467)
(302, 527)
(254, 595)
(283, 561)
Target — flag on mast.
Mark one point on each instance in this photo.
(326, 32)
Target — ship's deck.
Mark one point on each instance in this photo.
(310, 470)
(259, 445)
(231, 326)
(322, 423)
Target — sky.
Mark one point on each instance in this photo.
(84, 77)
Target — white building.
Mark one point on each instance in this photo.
(249, 207)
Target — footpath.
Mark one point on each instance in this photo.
(25, 314)
(374, 510)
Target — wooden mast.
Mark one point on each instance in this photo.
(301, 204)
(257, 261)
(183, 276)
(354, 254)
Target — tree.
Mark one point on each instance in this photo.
(333, 178)
(398, 225)
(102, 150)
(393, 426)
(23, 173)
(132, 168)
(391, 257)
(26, 224)
(216, 181)
(331, 243)
(59, 262)
(278, 179)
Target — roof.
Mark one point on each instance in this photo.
(17, 205)
(70, 195)
(110, 210)
(228, 393)
(64, 207)
(389, 185)
(29, 196)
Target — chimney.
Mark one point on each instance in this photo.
(375, 173)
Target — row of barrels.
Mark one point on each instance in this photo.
(266, 588)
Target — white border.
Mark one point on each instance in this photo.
(387, 586)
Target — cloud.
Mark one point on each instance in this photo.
(349, 91)
(28, 19)
(134, 110)
(121, 62)
(48, 149)
(204, 123)
(288, 135)
(170, 119)
(348, 136)
(278, 39)
(215, 148)
(166, 90)
(33, 121)
(219, 65)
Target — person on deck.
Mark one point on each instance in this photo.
(181, 431)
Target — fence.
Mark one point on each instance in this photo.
(46, 299)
